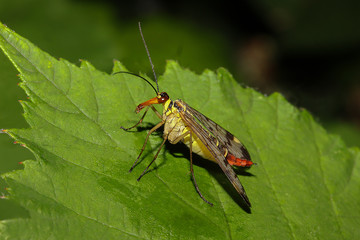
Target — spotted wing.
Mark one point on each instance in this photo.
(193, 118)
(225, 138)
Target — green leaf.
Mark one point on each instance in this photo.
(304, 186)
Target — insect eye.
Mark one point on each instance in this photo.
(163, 97)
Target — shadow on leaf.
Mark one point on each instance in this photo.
(182, 151)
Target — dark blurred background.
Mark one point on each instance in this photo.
(307, 50)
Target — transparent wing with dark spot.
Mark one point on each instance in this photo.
(210, 142)
(224, 137)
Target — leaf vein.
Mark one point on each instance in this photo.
(333, 204)
(223, 210)
(82, 215)
(266, 173)
(178, 196)
(53, 83)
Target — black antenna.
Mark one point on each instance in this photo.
(139, 77)
(148, 53)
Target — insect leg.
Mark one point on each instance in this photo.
(140, 121)
(147, 138)
(142, 118)
(156, 155)
(156, 112)
(192, 173)
(191, 164)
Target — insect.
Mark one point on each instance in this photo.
(203, 136)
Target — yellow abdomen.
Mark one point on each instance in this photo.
(197, 146)
(175, 128)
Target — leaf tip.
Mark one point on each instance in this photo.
(118, 66)
(86, 64)
(3, 25)
(172, 63)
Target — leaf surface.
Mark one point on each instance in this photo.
(304, 186)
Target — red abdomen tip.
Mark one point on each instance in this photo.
(238, 161)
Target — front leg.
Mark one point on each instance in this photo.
(156, 155)
(142, 118)
(147, 138)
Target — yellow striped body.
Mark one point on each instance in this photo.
(175, 127)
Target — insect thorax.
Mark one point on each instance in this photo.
(175, 127)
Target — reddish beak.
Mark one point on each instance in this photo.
(149, 102)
